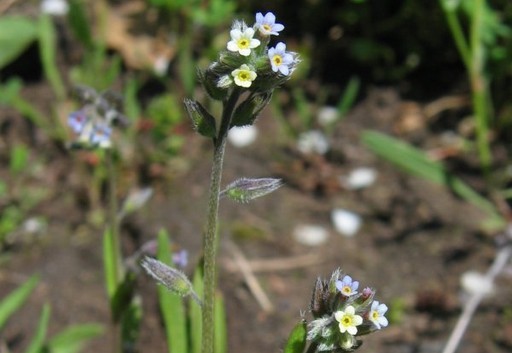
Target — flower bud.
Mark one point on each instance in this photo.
(244, 190)
(209, 79)
(173, 279)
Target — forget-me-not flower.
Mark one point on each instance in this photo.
(267, 24)
(376, 314)
(348, 320)
(244, 76)
(242, 40)
(347, 287)
(279, 59)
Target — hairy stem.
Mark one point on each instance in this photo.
(210, 237)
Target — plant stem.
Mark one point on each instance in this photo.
(210, 237)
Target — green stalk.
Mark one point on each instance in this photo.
(457, 34)
(479, 85)
(210, 237)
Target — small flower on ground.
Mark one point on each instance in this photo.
(242, 40)
(279, 59)
(244, 76)
(347, 287)
(348, 320)
(376, 314)
(77, 120)
(267, 24)
(101, 135)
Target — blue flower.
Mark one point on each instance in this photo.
(267, 24)
(376, 314)
(280, 60)
(77, 121)
(100, 135)
(180, 258)
(347, 287)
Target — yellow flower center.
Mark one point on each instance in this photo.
(277, 60)
(347, 290)
(243, 75)
(243, 43)
(375, 315)
(346, 320)
(267, 27)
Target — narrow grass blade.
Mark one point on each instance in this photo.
(416, 162)
(47, 45)
(37, 343)
(349, 96)
(74, 338)
(221, 334)
(196, 327)
(297, 339)
(109, 264)
(15, 300)
(171, 305)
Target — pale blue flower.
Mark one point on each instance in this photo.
(376, 314)
(180, 258)
(267, 24)
(77, 121)
(280, 60)
(100, 135)
(347, 287)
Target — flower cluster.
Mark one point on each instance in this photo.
(341, 313)
(93, 123)
(247, 62)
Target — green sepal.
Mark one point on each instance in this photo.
(247, 112)
(209, 79)
(202, 120)
(297, 339)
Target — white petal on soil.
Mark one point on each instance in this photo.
(327, 115)
(345, 222)
(313, 141)
(242, 136)
(55, 7)
(473, 282)
(310, 234)
(359, 178)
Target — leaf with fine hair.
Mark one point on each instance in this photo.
(297, 339)
(202, 120)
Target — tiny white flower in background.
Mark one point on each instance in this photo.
(55, 7)
(310, 235)
(244, 76)
(376, 314)
(359, 178)
(327, 115)
(279, 59)
(345, 222)
(313, 141)
(348, 320)
(267, 24)
(242, 136)
(160, 65)
(242, 40)
(476, 283)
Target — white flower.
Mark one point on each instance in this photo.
(242, 40)
(244, 76)
(348, 320)
(376, 314)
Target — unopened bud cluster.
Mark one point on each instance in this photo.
(341, 313)
(248, 62)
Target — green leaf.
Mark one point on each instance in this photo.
(19, 158)
(247, 111)
(221, 330)
(16, 34)
(73, 338)
(79, 23)
(297, 339)
(196, 327)
(109, 264)
(48, 49)
(202, 120)
(15, 300)
(171, 305)
(417, 163)
(37, 343)
(130, 323)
